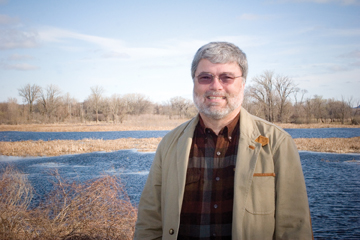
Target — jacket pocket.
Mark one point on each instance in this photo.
(261, 198)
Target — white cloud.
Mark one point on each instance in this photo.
(50, 34)
(110, 45)
(18, 57)
(254, 17)
(352, 54)
(20, 67)
(115, 55)
(12, 38)
(5, 20)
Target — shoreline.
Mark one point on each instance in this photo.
(64, 147)
(155, 124)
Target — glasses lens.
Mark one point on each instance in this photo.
(226, 78)
(205, 78)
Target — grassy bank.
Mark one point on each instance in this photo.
(62, 147)
(131, 123)
(335, 145)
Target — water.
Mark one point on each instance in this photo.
(332, 180)
(333, 186)
(11, 136)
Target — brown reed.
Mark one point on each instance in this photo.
(336, 145)
(62, 147)
(131, 123)
(97, 209)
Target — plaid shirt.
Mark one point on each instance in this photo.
(206, 211)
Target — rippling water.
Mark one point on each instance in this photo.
(332, 180)
(12, 136)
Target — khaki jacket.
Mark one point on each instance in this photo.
(270, 199)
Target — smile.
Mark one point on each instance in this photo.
(214, 98)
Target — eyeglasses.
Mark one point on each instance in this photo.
(224, 78)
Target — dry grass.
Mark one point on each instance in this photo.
(62, 147)
(98, 209)
(336, 145)
(131, 123)
(316, 125)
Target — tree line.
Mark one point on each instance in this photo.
(50, 105)
(271, 96)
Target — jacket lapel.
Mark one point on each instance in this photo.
(248, 152)
(182, 155)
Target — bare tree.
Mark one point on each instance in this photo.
(50, 100)
(137, 103)
(298, 110)
(318, 108)
(308, 107)
(116, 108)
(30, 94)
(180, 105)
(345, 110)
(263, 92)
(284, 86)
(71, 105)
(13, 111)
(96, 98)
(355, 110)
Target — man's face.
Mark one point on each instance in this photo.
(217, 100)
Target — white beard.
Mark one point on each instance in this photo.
(212, 110)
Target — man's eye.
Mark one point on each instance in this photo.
(226, 77)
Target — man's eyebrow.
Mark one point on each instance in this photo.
(227, 73)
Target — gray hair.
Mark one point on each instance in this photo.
(221, 52)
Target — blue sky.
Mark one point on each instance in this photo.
(147, 46)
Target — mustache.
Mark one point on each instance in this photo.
(214, 93)
(219, 94)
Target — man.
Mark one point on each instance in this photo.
(224, 174)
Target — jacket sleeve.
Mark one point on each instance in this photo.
(292, 214)
(149, 222)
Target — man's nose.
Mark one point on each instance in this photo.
(216, 83)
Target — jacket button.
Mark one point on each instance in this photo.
(171, 231)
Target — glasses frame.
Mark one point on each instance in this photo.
(215, 76)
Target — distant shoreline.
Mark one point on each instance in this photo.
(134, 124)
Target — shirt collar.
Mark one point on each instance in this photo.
(227, 130)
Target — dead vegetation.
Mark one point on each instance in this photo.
(63, 147)
(97, 209)
(316, 125)
(335, 145)
(131, 123)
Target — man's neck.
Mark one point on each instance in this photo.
(217, 124)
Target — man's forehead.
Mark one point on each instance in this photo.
(207, 63)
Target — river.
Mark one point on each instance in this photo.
(12, 136)
(332, 180)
